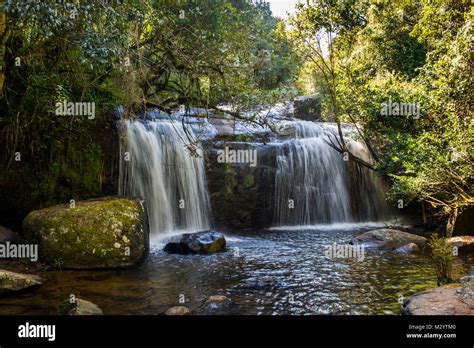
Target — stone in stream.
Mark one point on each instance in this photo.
(110, 232)
(178, 310)
(408, 248)
(452, 299)
(79, 307)
(205, 242)
(389, 238)
(11, 282)
(216, 305)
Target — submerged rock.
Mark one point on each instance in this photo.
(206, 242)
(79, 307)
(389, 238)
(102, 233)
(11, 282)
(216, 305)
(452, 299)
(178, 310)
(408, 248)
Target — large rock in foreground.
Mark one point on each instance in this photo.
(451, 299)
(103, 233)
(388, 238)
(206, 242)
(11, 282)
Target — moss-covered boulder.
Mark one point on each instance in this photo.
(101, 233)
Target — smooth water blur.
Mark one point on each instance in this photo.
(314, 184)
(162, 171)
(271, 272)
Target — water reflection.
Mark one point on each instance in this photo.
(272, 272)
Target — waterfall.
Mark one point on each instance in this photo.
(162, 171)
(314, 185)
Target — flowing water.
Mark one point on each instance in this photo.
(156, 165)
(314, 184)
(268, 272)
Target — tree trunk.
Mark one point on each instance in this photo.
(453, 215)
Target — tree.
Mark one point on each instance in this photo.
(414, 53)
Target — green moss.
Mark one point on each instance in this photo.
(229, 181)
(94, 234)
(249, 181)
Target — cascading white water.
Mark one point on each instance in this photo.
(314, 185)
(162, 171)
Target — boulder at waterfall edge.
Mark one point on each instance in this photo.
(389, 238)
(110, 232)
(206, 242)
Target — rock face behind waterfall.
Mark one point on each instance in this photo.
(308, 107)
(242, 195)
(102, 233)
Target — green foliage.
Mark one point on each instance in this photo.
(442, 255)
(137, 54)
(407, 52)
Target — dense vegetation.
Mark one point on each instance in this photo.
(367, 54)
(137, 54)
(162, 54)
